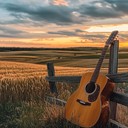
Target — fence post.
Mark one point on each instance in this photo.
(51, 72)
(113, 69)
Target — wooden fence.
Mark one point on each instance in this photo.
(112, 74)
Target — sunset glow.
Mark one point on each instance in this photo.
(62, 23)
(108, 28)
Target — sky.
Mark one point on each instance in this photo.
(62, 23)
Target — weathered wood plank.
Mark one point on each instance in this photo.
(117, 78)
(68, 79)
(113, 68)
(119, 98)
(53, 100)
(115, 124)
(113, 60)
(51, 73)
(115, 97)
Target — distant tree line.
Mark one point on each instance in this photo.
(6, 49)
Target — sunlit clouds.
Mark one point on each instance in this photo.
(60, 2)
(62, 23)
(108, 28)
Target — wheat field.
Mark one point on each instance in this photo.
(25, 86)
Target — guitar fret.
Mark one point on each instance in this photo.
(97, 69)
(98, 66)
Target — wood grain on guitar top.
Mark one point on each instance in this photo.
(85, 116)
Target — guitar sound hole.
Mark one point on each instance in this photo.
(90, 87)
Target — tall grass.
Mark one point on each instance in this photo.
(22, 91)
(22, 104)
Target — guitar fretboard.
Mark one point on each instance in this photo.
(99, 64)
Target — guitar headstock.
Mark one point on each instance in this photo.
(112, 37)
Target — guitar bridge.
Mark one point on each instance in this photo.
(83, 102)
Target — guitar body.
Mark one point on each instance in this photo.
(84, 107)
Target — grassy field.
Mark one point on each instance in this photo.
(22, 90)
(77, 57)
(23, 85)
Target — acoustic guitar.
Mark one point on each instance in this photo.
(84, 106)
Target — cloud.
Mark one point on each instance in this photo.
(12, 43)
(64, 12)
(79, 30)
(94, 35)
(67, 17)
(60, 2)
(99, 9)
(123, 36)
(84, 36)
(9, 30)
(6, 36)
(61, 15)
(64, 33)
(81, 34)
(119, 6)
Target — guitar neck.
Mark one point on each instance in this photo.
(98, 66)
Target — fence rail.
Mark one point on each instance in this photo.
(112, 74)
(115, 97)
(117, 78)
